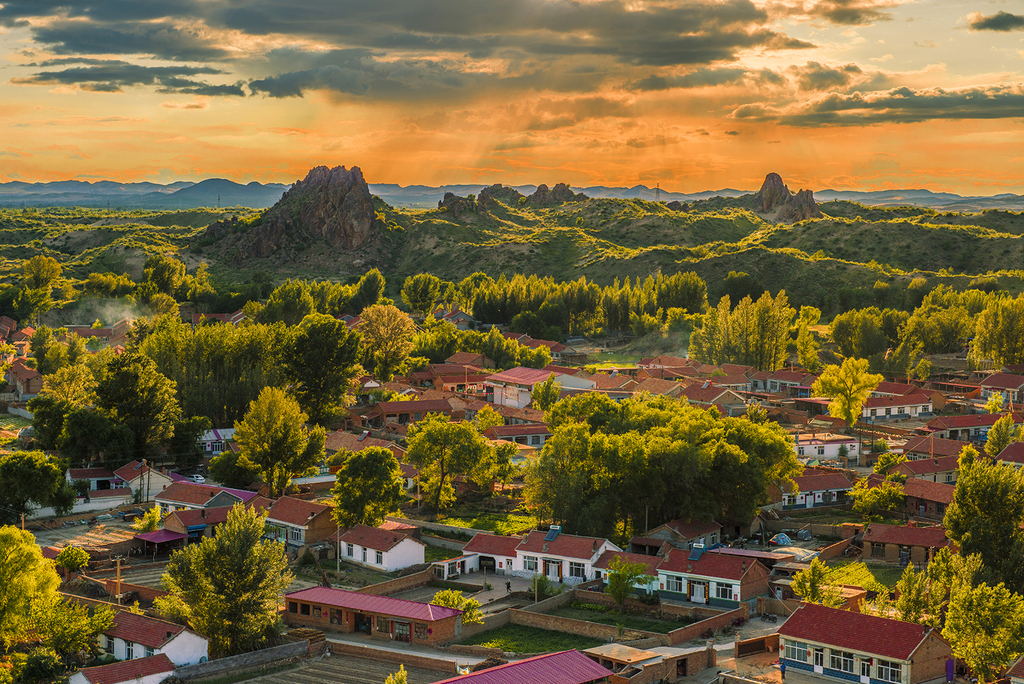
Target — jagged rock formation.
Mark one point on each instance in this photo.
(499, 193)
(329, 205)
(560, 194)
(676, 205)
(455, 205)
(775, 198)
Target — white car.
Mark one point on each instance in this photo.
(198, 479)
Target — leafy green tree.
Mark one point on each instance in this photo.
(42, 666)
(858, 333)
(272, 438)
(912, 599)
(27, 582)
(807, 348)
(887, 461)
(89, 436)
(452, 598)
(136, 395)
(999, 331)
(400, 677)
(624, 578)
(184, 446)
(29, 479)
(887, 496)
(421, 292)
(487, 418)
(368, 487)
(847, 386)
(387, 339)
(231, 471)
(230, 584)
(48, 416)
(923, 370)
(289, 303)
(369, 291)
(753, 333)
(148, 521)
(72, 384)
(1003, 433)
(41, 272)
(545, 394)
(72, 558)
(985, 627)
(986, 516)
(994, 404)
(69, 628)
(322, 362)
(812, 586)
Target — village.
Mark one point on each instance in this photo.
(704, 596)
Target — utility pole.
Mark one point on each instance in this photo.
(22, 522)
(118, 595)
(218, 201)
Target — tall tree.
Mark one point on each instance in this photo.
(847, 386)
(29, 479)
(985, 627)
(321, 362)
(387, 338)
(70, 628)
(184, 447)
(1003, 433)
(624, 578)
(886, 496)
(999, 331)
(289, 303)
(230, 584)
(812, 586)
(545, 394)
(230, 470)
(27, 582)
(136, 395)
(441, 450)
(41, 272)
(72, 384)
(368, 487)
(272, 438)
(807, 348)
(420, 292)
(912, 599)
(994, 404)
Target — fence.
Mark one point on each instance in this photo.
(244, 660)
(840, 531)
(835, 550)
(442, 542)
(769, 643)
(774, 606)
(394, 586)
(690, 632)
(582, 627)
(490, 622)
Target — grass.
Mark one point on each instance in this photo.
(499, 523)
(520, 639)
(436, 553)
(14, 423)
(859, 574)
(607, 616)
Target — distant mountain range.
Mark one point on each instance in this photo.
(218, 191)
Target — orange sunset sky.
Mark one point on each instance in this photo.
(844, 94)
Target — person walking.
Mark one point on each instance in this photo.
(508, 586)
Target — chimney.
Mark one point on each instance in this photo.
(595, 546)
(743, 566)
(168, 635)
(689, 567)
(544, 548)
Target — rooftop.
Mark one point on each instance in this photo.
(521, 376)
(492, 545)
(143, 629)
(381, 605)
(565, 545)
(930, 537)
(129, 670)
(854, 631)
(564, 667)
(708, 565)
(293, 511)
(374, 537)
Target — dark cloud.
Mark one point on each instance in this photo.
(732, 132)
(696, 79)
(817, 76)
(899, 105)
(114, 76)
(160, 40)
(1000, 21)
(847, 12)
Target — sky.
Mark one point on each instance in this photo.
(691, 96)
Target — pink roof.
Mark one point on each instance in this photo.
(710, 564)
(143, 629)
(501, 431)
(565, 545)
(854, 631)
(492, 545)
(565, 667)
(369, 603)
(161, 536)
(521, 376)
(129, 670)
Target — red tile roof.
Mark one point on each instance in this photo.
(711, 564)
(650, 562)
(194, 517)
(565, 667)
(339, 440)
(492, 545)
(899, 400)
(502, 431)
(1013, 453)
(521, 376)
(658, 386)
(706, 395)
(929, 491)
(130, 471)
(688, 529)
(190, 493)
(820, 482)
(369, 603)
(429, 406)
(1005, 381)
(899, 388)
(129, 670)
(143, 629)
(978, 420)
(293, 511)
(845, 629)
(1016, 670)
(928, 466)
(934, 446)
(930, 537)
(374, 537)
(789, 376)
(90, 473)
(468, 359)
(565, 545)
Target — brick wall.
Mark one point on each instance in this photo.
(834, 551)
(755, 582)
(570, 626)
(550, 603)
(145, 593)
(321, 527)
(762, 644)
(394, 586)
(690, 632)
(403, 658)
(490, 622)
(930, 660)
(243, 661)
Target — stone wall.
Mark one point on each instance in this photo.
(690, 632)
(834, 551)
(243, 661)
(442, 542)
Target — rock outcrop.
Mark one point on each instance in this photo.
(328, 205)
(676, 205)
(775, 198)
(560, 194)
(489, 196)
(455, 205)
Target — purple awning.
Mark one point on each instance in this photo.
(161, 536)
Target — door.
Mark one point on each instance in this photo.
(699, 592)
(401, 631)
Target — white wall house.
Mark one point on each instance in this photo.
(825, 446)
(513, 387)
(560, 557)
(141, 671)
(381, 549)
(134, 636)
(217, 440)
(896, 407)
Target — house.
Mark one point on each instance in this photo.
(406, 412)
(664, 362)
(737, 383)
(296, 523)
(138, 671)
(460, 319)
(347, 441)
(817, 488)
(705, 394)
(132, 636)
(682, 534)
(903, 543)
(387, 550)
(640, 665)
(559, 557)
(716, 579)
(972, 427)
(844, 645)
(791, 383)
(470, 359)
(532, 434)
(27, 382)
(146, 482)
(894, 389)
(604, 565)
(827, 446)
(189, 495)
(379, 617)
(215, 441)
(1016, 672)
(923, 447)
(1007, 385)
(513, 387)
(940, 469)
(900, 407)
(98, 478)
(563, 667)
(1012, 455)
(493, 552)
(922, 498)
(202, 522)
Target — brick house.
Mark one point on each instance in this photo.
(406, 412)
(493, 552)
(716, 579)
(852, 647)
(939, 469)
(1007, 385)
(893, 407)
(27, 382)
(203, 522)
(682, 534)
(386, 550)
(929, 446)
(817, 488)
(181, 495)
(904, 544)
(972, 427)
(379, 617)
(532, 434)
(560, 557)
(139, 671)
(132, 636)
(296, 522)
(927, 499)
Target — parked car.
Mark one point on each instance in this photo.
(198, 479)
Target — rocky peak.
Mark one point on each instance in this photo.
(500, 193)
(561, 193)
(455, 205)
(774, 197)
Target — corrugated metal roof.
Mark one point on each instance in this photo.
(382, 605)
(565, 667)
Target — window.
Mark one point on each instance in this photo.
(349, 550)
(364, 554)
(577, 570)
(723, 591)
(949, 477)
(530, 563)
(380, 558)
(796, 650)
(149, 651)
(877, 550)
(889, 671)
(382, 625)
(865, 668)
(800, 451)
(874, 412)
(821, 451)
(110, 646)
(420, 631)
(535, 439)
(900, 410)
(317, 612)
(304, 609)
(293, 607)
(674, 583)
(924, 409)
(129, 650)
(841, 660)
(295, 534)
(888, 411)
(819, 657)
